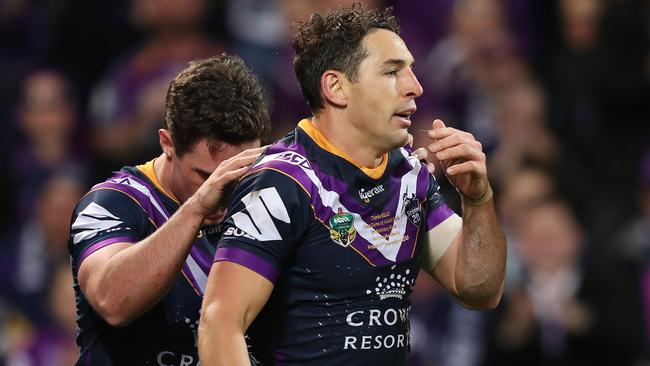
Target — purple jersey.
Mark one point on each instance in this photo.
(128, 207)
(342, 246)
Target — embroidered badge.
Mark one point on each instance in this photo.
(412, 208)
(342, 229)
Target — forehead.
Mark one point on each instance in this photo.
(383, 45)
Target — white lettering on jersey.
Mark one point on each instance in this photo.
(261, 206)
(92, 220)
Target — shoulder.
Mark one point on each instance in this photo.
(284, 167)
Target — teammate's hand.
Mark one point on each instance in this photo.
(213, 194)
(462, 159)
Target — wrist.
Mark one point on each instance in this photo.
(484, 198)
(194, 211)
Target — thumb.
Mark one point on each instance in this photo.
(438, 124)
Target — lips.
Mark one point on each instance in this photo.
(406, 113)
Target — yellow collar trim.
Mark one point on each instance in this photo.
(311, 130)
(148, 170)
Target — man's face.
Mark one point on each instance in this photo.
(382, 101)
(195, 166)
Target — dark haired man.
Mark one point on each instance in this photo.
(142, 241)
(326, 234)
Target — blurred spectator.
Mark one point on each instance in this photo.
(598, 92)
(520, 191)
(127, 105)
(38, 246)
(25, 40)
(443, 333)
(471, 64)
(567, 309)
(539, 322)
(47, 138)
(257, 30)
(52, 344)
(521, 131)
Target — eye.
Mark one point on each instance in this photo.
(391, 72)
(203, 174)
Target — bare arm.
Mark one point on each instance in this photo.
(124, 280)
(234, 296)
(473, 267)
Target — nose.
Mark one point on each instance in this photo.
(412, 87)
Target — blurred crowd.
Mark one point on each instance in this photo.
(558, 92)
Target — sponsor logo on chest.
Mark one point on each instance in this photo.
(365, 196)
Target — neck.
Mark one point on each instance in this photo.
(336, 129)
(162, 168)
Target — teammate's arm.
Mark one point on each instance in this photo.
(472, 268)
(124, 280)
(233, 298)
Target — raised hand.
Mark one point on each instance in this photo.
(462, 159)
(213, 195)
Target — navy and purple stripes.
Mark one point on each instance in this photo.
(248, 260)
(101, 244)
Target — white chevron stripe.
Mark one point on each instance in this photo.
(144, 190)
(93, 219)
(331, 199)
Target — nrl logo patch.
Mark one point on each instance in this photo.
(342, 229)
(412, 208)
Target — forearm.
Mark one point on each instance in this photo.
(221, 340)
(480, 267)
(134, 279)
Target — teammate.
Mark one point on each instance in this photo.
(326, 234)
(142, 242)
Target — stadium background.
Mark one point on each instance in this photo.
(557, 91)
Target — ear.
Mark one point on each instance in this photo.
(166, 145)
(332, 84)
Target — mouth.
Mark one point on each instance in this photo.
(405, 114)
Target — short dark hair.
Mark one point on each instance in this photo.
(333, 42)
(218, 99)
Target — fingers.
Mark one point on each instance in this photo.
(244, 158)
(437, 124)
(420, 153)
(234, 174)
(469, 166)
(462, 151)
(453, 140)
(445, 132)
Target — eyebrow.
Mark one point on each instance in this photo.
(398, 62)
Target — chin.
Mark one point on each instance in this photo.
(402, 141)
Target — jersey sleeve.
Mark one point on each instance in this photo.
(441, 226)
(268, 215)
(437, 209)
(104, 217)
